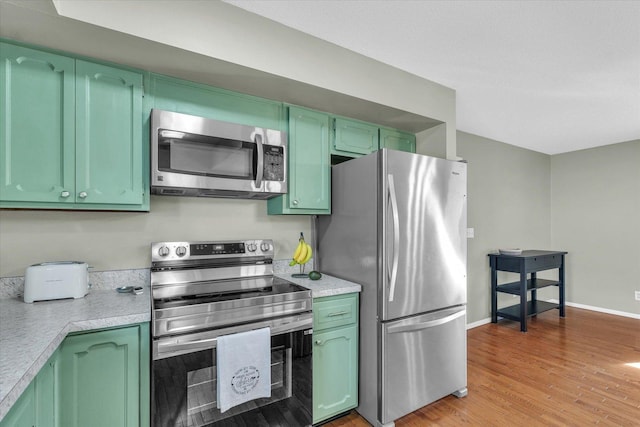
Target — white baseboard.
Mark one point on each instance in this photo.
(599, 309)
(478, 323)
(570, 304)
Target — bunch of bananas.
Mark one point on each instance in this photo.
(302, 253)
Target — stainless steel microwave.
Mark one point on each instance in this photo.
(197, 156)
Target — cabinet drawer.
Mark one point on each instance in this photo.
(331, 312)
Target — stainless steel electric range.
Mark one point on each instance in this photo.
(203, 290)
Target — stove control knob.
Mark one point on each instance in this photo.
(163, 251)
(181, 251)
(252, 247)
(265, 247)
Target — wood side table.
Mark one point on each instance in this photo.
(529, 262)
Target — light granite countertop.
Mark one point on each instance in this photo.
(30, 333)
(324, 287)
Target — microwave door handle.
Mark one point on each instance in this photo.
(260, 162)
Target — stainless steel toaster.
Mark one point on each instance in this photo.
(56, 280)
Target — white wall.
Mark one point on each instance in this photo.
(508, 207)
(120, 240)
(215, 43)
(595, 199)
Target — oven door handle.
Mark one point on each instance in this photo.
(164, 348)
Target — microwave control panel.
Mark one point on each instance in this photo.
(273, 163)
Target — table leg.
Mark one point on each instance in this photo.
(534, 293)
(523, 299)
(494, 292)
(561, 286)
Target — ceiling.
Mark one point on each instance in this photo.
(550, 76)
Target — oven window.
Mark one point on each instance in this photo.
(207, 156)
(184, 389)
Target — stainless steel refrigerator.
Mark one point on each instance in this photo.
(398, 228)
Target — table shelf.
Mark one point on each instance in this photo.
(533, 307)
(514, 287)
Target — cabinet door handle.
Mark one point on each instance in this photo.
(65, 194)
(319, 342)
(338, 313)
(295, 202)
(83, 195)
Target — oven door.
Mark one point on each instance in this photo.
(184, 379)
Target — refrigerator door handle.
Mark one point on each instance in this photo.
(425, 325)
(393, 271)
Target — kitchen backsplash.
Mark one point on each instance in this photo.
(13, 287)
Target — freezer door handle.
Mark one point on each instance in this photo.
(392, 272)
(425, 325)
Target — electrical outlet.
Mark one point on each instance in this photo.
(637, 295)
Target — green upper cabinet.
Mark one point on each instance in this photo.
(309, 178)
(103, 382)
(397, 140)
(37, 116)
(108, 135)
(187, 97)
(353, 138)
(72, 134)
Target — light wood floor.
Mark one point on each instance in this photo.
(575, 371)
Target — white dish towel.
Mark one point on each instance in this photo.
(244, 367)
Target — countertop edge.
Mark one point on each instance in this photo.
(324, 287)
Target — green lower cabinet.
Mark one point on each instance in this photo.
(37, 406)
(335, 356)
(397, 140)
(23, 412)
(97, 379)
(101, 378)
(47, 395)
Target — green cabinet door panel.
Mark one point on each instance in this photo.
(37, 142)
(197, 99)
(397, 140)
(335, 372)
(108, 135)
(353, 138)
(23, 412)
(309, 172)
(37, 404)
(100, 381)
(46, 393)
